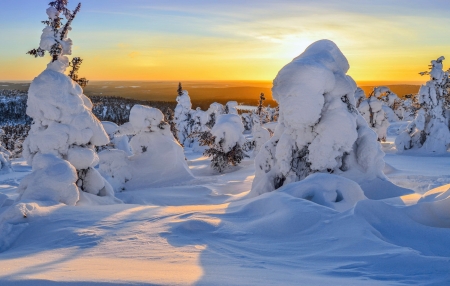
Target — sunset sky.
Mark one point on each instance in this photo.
(231, 40)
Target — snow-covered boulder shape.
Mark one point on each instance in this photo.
(183, 116)
(328, 190)
(230, 107)
(372, 111)
(319, 129)
(52, 179)
(157, 157)
(429, 131)
(64, 126)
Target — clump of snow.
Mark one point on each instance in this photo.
(157, 157)
(429, 131)
(372, 111)
(319, 128)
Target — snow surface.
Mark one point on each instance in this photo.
(206, 232)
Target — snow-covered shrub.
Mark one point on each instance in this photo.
(260, 136)
(116, 140)
(410, 107)
(183, 118)
(170, 118)
(225, 141)
(247, 121)
(319, 129)
(372, 111)
(429, 131)
(157, 157)
(5, 164)
(63, 123)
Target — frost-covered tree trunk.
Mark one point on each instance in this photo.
(319, 128)
(372, 111)
(61, 142)
(429, 131)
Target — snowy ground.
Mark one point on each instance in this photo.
(205, 232)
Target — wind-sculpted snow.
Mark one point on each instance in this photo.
(319, 128)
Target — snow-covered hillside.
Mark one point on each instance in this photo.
(205, 232)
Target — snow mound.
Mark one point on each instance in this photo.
(328, 190)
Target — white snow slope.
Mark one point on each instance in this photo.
(320, 231)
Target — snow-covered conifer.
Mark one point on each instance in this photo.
(214, 110)
(230, 107)
(360, 96)
(372, 111)
(170, 118)
(225, 141)
(319, 128)
(429, 131)
(157, 156)
(64, 131)
(183, 117)
(5, 164)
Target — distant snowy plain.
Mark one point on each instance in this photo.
(206, 232)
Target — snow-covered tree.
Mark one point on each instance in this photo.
(5, 164)
(319, 128)
(392, 104)
(372, 111)
(360, 96)
(230, 108)
(157, 157)
(170, 118)
(64, 132)
(429, 131)
(183, 118)
(410, 107)
(225, 141)
(214, 110)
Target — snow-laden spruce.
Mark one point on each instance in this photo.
(392, 104)
(183, 118)
(224, 142)
(64, 132)
(319, 128)
(5, 164)
(157, 157)
(429, 131)
(374, 114)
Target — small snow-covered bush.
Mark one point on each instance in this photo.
(157, 157)
(225, 141)
(429, 131)
(319, 129)
(372, 111)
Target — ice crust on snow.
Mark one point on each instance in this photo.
(319, 129)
